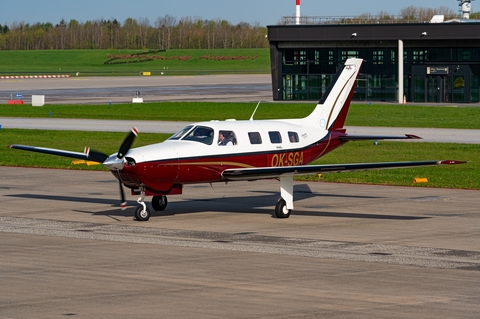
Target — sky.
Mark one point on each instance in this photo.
(265, 12)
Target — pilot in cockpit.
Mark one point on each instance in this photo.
(224, 139)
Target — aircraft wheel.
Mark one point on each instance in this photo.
(281, 210)
(142, 215)
(159, 203)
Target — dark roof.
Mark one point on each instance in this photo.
(369, 32)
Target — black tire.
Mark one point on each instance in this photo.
(140, 215)
(159, 203)
(281, 210)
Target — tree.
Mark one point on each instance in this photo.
(224, 28)
(113, 30)
(143, 32)
(167, 33)
(74, 34)
(61, 28)
(130, 27)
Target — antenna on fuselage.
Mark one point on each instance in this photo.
(251, 117)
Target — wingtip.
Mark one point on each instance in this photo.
(450, 162)
(413, 137)
(16, 146)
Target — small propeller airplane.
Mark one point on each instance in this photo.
(230, 150)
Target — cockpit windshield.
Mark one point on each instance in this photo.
(202, 134)
(181, 133)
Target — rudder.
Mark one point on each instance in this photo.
(331, 111)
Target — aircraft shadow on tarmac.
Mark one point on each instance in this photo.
(259, 203)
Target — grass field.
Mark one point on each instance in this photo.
(359, 114)
(92, 62)
(455, 176)
(458, 176)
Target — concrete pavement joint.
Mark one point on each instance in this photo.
(391, 254)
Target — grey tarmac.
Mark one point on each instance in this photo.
(122, 89)
(347, 251)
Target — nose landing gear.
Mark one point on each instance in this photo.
(142, 213)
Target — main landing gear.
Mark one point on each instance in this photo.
(285, 203)
(281, 210)
(159, 203)
(142, 213)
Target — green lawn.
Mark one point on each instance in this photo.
(457, 176)
(105, 142)
(453, 176)
(359, 114)
(92, 62)
(397, 115)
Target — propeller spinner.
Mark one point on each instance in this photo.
(115, 162)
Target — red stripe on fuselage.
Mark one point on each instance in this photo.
(160, 176)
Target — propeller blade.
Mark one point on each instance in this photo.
(127, 143)
(95, 155)
(123, 202)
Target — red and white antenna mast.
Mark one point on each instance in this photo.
(297, 15)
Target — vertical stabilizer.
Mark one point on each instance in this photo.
(331, 111)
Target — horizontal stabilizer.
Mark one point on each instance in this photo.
(274, 172)
(373, 137)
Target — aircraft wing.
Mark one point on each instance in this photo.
(238, 174)
(52, 151)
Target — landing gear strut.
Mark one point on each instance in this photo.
(142, 213)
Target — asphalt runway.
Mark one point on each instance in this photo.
(347, 251)
(122, 89)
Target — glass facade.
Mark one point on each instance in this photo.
(449, 75)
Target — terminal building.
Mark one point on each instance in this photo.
(432, 61)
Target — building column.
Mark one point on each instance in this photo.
(400, 72)
(276, 66)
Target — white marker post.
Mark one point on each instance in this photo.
(297, 19)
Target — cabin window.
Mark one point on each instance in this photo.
(227, 138)
(255, 138)
(181, 133)
(275, 137)
(200, 134)
(293, 137)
